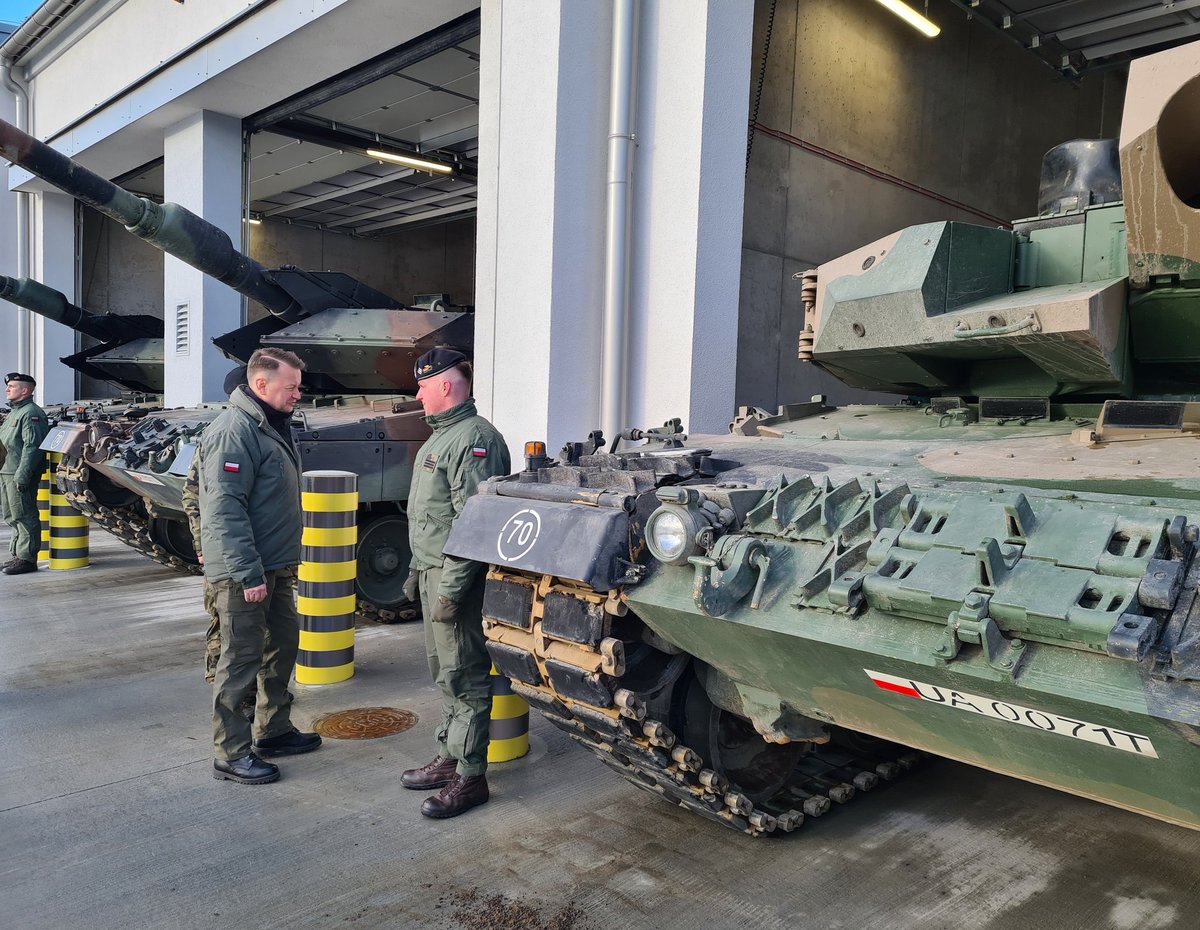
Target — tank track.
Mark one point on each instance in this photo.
(127, 524)
(616, 724)
(130, 526)
(647, 753)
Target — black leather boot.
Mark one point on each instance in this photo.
(463, 793)
(20, 567)
(248, 770)
(291, 743)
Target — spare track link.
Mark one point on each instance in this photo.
(130, 526)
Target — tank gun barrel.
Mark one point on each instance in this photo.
(53, 305)
(170, 227)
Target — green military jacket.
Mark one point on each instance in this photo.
(464, 450)
(249, 496)
(21, 433)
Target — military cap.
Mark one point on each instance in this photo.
(234, 380)
(435, 361)
(17, 376)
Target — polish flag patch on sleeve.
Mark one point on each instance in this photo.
(479, 452)
(233, 466)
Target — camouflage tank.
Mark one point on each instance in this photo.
(358, 412)
(129, 353)
(999, 570)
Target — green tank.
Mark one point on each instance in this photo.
(998, 569)
(127, 471)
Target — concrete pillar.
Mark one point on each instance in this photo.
(8, 246)
(203, 172)
(53, 222)
(543, 151)
(688, 197)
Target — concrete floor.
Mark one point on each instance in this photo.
(109, 816)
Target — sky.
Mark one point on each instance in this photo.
(16, 11)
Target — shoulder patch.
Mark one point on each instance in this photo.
(233, 466)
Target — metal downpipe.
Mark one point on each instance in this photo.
(23, 319)
(616, 235)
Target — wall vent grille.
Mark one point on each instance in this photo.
(183, 329)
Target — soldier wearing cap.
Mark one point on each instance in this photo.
(464, 450)
(21, 434)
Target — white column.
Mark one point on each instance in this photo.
(543, 150)
(540, 225)
(688, 191)
(203, 172)
(53, 221)
(8, 249)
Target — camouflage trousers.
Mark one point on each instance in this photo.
(212, 636)
(20, 509)
(258, 644)
(460, 665)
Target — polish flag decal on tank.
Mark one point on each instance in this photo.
(890, 683)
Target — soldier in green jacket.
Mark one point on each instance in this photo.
(21, 434)
(464, 450)
(250, 529)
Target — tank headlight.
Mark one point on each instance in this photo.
(671, 533)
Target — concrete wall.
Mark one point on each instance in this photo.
(967, 115)
(119, 273)
(430, 260)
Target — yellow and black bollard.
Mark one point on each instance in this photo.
(68, 528)
(43, 504)
(509, 735)
(325, 597)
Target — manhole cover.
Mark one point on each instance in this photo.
(364, 723)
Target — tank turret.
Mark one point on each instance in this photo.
(130, 353)
(374, 355)
(1093, 298)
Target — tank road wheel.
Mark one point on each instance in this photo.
(175, 537)
(383, 557)
(731, 746)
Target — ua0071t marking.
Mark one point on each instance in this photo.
(1015, 713)
(518, 535)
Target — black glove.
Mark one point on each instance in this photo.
(412, 586)
(445, 611)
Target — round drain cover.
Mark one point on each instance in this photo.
(364, 723)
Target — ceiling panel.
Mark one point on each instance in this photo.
(1078, 36)
(323, 177)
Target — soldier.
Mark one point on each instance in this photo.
(21, 434)
(250, 536)
(464, 450)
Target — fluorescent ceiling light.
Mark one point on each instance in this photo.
(254, 221)
(412, 161)
(912, 17)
